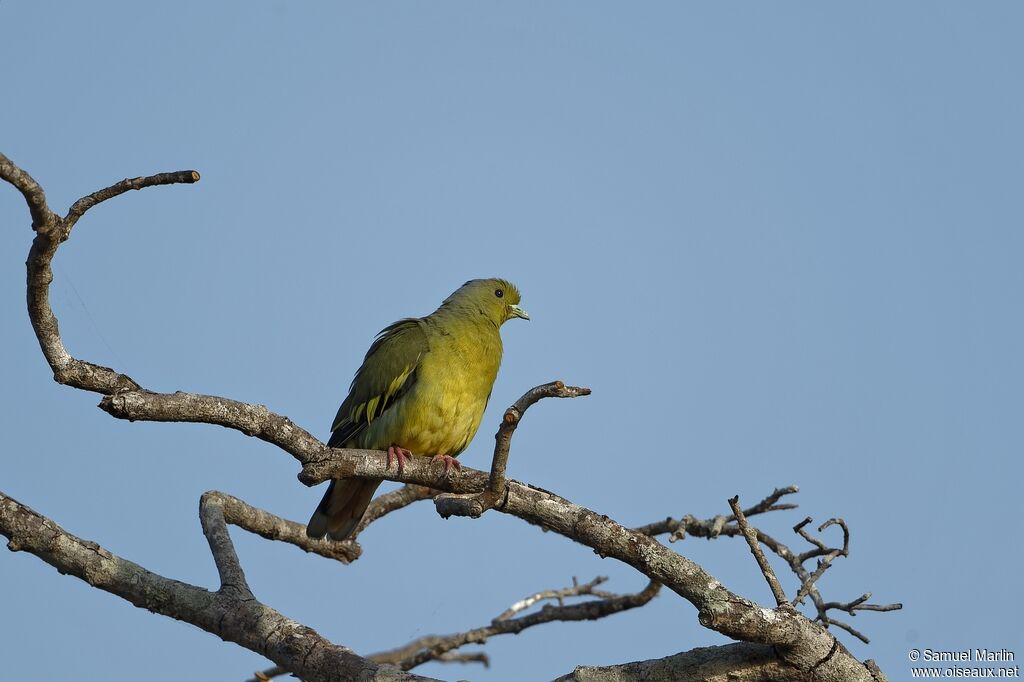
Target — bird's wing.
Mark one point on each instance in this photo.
(388, 372)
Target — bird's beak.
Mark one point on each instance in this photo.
(518, 312)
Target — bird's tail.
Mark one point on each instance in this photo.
(342, 507)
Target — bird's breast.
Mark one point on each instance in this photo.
(442, 412)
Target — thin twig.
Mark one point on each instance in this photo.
(830, 554)
(694, 526)
(849, 628)
(751, 535)
(392, 501)
(808, 582)
(510, 421)
(79, 208)
(858, 604)
(560, 595)
(472, 657)
(769, 502)
(432, 647)
(807, 579)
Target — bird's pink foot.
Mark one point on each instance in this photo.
(401, 454)
(449, 463)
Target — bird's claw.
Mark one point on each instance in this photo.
(401, 454)
(449, 463)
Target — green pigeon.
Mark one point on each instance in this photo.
(422, 389)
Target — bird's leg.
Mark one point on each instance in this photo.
(449, 463)
(401, 454)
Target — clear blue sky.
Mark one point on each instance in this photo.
(781, 241)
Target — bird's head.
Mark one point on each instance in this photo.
(496, 299)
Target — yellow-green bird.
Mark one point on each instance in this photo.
(422, 388)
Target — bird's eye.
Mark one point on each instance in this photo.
(499, 293)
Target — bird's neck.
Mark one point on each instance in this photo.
(470, 315)
(468, 327)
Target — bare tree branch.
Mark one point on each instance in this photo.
(34, 195)
(473, 657)
(859, 605)
(227, 613)
(267, 525)
(136, 404)
(751, 535)
(742, 662)
(261, 522)
(475, 505)
(51, 231)
(211, 515)
(268, 674)
(79, 208)
(798, 642)
(392, 501)
(433, 647)
(510, 421)
(712, 528)
(442, 647)
(559, 595)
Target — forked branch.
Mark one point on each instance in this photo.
(230, 613)
(475, 505)
(727, 526)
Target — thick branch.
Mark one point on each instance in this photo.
(245, 621)
(742, 662)
(34, 195)
(211, 515)
(252, 420)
